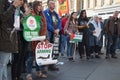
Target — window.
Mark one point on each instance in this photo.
(82, 6)
(88, 3)
(72, 4)
(103, 2)
(95, 3)
(111, 1)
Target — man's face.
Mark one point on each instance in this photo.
(96, 19)
(116, 14)
(51, 5)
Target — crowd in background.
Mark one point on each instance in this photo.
(23, 52)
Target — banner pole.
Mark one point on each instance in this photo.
(74, 55)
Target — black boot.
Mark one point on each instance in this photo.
(53, 68)
(114, 56)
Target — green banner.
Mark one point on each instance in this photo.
(31, 26)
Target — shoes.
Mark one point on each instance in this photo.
(107, 57)
(91, 56)
(70, 59)
(97, 56)
(113, 56)
(88, 57)
(44, 71)
(29, 77)
(100, 53)
(81, 57)
(53, 68)
(62, 54)
(16, 78)
(41, 75)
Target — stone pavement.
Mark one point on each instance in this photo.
(93, 69)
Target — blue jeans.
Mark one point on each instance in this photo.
(4, 58)
(118, 46)
(70, 48)
(111, 44)
(63, 43)
(39, 68)
(29, 62)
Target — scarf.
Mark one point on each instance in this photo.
(97, 26)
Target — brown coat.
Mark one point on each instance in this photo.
(7, 43)
(43, 31)
(109, 27)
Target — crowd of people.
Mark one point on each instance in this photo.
(23, 52)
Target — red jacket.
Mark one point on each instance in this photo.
(64, 20)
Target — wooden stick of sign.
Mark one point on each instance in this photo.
(74, 55)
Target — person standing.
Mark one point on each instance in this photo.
(38, 11)
(95, 36)
(63, 35)
(18, 59)
(53, 25)
(83, 28)
(112, 28)
(71, 28)
(8, 42)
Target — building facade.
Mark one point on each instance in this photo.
(104, 8)
(74, 5)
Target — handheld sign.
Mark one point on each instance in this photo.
(56, 46)
(44, 54)
(31, 28)
(76, 38)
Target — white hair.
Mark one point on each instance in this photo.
(95, 16)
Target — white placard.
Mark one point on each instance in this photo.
(98, 32)
(44, 54)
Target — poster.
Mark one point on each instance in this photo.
(31, 28)
(44, 54)
(63, 7)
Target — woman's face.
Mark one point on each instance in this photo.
(74, 15)
(84, 14)
(39, 8)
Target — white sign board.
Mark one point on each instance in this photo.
(44, 54)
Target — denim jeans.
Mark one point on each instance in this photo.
(29, 62)
(70, 48)
(111, 44)
(39, 68)
(4, 58)
(63, 43)
(118, 46)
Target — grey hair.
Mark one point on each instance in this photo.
(95, 16)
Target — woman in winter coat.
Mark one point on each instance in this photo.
(37, 10)
(95, 36)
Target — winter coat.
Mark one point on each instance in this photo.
(109, 27)
(50, 27)
(8, 41)
(92, 38)
(43, 30)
